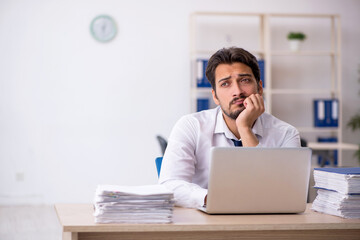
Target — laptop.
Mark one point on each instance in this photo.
(258, 180)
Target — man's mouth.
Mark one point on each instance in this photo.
(237, 101)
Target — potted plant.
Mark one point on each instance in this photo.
(354, 124)
(295, 39)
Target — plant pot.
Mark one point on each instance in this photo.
(295, 45)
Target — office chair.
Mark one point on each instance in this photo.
(325, 155)
(303, 142)
(163, 143)
(158, 162)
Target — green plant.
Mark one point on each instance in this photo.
(354, 124)
(296, 35)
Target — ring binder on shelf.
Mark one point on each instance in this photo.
(326, 112)
(202, 104)
(201, 78)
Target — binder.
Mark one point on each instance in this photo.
(261, 63)
(326, 112)
(338, 191)
(334, 112)
(202, 104)
(201, 78)
(342, 180)
(319, 113)
(334, 152)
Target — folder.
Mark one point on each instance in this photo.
(334, 152)
(202, 104)
(201, 78)
(338, 191)
(326, 112)
(261, 63)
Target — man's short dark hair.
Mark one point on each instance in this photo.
(229, 56)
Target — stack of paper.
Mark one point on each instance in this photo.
(133, 204)
(339, 191)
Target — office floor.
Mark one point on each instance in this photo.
(29, 223)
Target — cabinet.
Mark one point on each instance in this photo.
(293, 80)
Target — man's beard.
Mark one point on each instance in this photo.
(233, 115)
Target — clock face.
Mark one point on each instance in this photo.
(103, 28)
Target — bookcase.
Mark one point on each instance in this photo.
(294, 81)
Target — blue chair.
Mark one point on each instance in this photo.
(163, 143)
(158, 162)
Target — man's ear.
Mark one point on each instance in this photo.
(215, 97)
(260, 88)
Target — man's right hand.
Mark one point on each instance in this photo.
(254, 107)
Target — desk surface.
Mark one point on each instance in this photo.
(79, 218)
(332, 146)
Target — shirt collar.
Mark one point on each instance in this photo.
(221, 127)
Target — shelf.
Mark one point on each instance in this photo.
(318, 129)
(300, 91)
(202, 90)
(321, 55)
(304, 53)
(222, 14)
(302, 15)
(254, 14)
(275, 91)
(332, 146)
(209, 53)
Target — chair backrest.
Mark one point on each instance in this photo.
(158, 162)
(163, 143)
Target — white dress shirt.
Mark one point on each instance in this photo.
(185, 166)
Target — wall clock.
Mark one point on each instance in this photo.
(103, 28)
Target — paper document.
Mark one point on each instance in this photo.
(338, 191)
(133, 204)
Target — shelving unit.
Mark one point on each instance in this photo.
(292, 79)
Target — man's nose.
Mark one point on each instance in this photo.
(236, 89)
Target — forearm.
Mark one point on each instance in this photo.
(248, 138)
(186, 194)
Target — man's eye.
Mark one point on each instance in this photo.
(224, 84)
(245, 80)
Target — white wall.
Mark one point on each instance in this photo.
(75, 113)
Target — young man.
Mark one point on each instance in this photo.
(238, 120)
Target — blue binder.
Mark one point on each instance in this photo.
(334, 152)
(332, 182)
(326, 112)
(334, 112)
(346, 171)
(261, 63)
(202, 104)
(201, 78)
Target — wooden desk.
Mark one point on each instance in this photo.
(78, 223)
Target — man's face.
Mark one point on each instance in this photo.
(234, 82)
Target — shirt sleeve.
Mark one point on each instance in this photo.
(178, 165)
(186, 194)
(288, 138)
(292, 138)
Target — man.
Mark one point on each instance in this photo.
(239, 119)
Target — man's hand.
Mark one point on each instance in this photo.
(254, 107)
